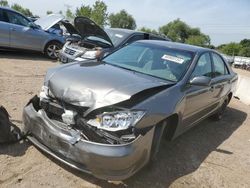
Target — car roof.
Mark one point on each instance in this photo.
(130, 32)
(175, 45)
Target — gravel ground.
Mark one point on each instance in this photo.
(213, 154)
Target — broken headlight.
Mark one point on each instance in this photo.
(45, 93)
(116, 121)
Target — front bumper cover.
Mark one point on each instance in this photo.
(105, 161)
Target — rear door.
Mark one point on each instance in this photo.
(221, 78)
(4, 30)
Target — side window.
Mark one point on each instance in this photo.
(134, 38)
(3, 16)
(219, 65)
(17, 19)
(203, 66)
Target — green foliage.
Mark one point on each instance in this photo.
(198, 40)
(69, 14)
(232, 49)
(22, 10)
(122, 20)
(84, 11)
(245, 51)
(148, 30)
(245, 43)
(49, 12)
(98, 13)
(4, 3)
(179, 31)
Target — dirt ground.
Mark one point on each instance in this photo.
(213, 154)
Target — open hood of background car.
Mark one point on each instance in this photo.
(87, 28)
(47, 22)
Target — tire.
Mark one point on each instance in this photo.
(219, 114)
(157, 140)
(52, 49)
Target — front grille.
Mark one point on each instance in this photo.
(69, 51)
(54, 109)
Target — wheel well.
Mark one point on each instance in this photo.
(51, 41)
(172, 123)
(230, 96)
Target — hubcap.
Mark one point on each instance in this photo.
(53, 51)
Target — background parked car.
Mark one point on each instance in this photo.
(90, 41)
(19, 32)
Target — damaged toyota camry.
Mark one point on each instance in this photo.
(108, 117)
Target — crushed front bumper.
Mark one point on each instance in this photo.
(105, 161)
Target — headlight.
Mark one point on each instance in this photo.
(90, 54)
(116, 121)
(45, 93)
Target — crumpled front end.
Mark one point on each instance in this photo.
(104, 154)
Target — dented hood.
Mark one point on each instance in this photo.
(96, 85)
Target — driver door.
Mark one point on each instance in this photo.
(199, 99)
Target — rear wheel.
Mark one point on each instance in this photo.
(218, 116)
(52, 50)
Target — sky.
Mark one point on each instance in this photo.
(223, 20)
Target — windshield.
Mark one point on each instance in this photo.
(117, 37)
(161, 62)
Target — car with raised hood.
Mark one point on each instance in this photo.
(89, 41)
(19, 32)
(108, 117)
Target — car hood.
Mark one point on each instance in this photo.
(47, 22)
(87, 28)
(95, 84)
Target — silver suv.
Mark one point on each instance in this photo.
(19, 32)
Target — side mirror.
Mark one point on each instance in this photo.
(200, 81)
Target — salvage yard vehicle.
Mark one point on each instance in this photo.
(19, 32)
(89, 41)
(108, 117)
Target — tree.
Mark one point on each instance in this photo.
(179, 31)
(99, 13)
(122, 20)
(19, 8)
(84, 11)
(148, 30)
(69, 14)
(245, 51)
(4, 3)
(176, 30)
(198, 40)
(232, 49)
(245, 43)
(49, 12)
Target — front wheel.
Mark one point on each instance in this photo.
(157, 140)
(52, 50)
